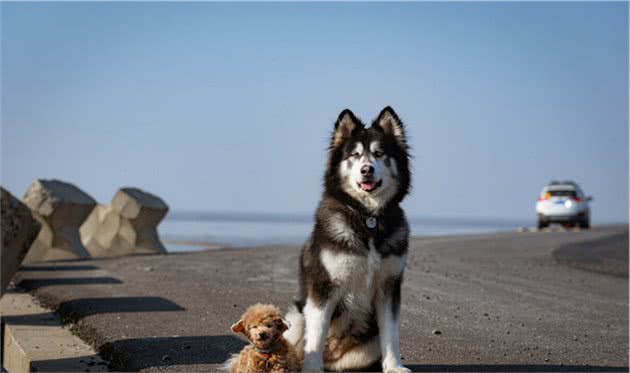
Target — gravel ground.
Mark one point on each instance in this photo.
(491, 302)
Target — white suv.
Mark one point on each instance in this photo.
(565, 203)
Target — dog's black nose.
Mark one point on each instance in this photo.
(262, 335)
(367, 170)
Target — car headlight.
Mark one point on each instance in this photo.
(568, 204)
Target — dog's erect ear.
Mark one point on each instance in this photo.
(238, 327)
(390, 123)
(346, 124)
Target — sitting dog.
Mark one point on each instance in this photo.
(263, 325)
(347, 315)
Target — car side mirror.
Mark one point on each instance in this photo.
(589, 198)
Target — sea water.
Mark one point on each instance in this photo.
(185, 231)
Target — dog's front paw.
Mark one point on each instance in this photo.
(398, 369)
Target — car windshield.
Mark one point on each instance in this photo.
(562, 193)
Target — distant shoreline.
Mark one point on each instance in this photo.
(193, 245)
(298, 218)
(201, 245)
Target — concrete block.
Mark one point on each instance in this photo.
(35, 340)
(127, 226)
(61, 208)
(104, 232)
(144, 211)
(18, 231)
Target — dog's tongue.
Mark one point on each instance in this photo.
(368, 185)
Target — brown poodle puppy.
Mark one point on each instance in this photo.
(263, 325)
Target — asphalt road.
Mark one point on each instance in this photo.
(501, 302)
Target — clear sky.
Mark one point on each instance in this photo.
(228, 107)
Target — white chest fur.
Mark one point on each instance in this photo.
(358, 280)
(356, 272)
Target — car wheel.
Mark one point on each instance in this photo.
(542, 224)
(585, 224)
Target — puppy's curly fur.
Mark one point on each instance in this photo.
(263, 325)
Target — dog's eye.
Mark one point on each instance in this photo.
(356, 155)
(378, 154)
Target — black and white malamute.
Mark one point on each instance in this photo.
(351, 268)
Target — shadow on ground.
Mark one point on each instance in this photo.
(79, 308)
(33, 284)
(83, 307)
(90, 363)
(48, 268)
(140, 353)
(42, 319)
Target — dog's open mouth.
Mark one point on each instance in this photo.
(369, 185)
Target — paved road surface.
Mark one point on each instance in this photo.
(502, 302)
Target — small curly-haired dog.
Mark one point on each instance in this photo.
(263, 325)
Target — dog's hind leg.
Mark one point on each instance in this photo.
(317, 319)
(358, 357)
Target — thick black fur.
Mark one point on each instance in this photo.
(315, 282)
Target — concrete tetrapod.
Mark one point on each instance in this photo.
(61, 208)
(18, 231)
(127, 226)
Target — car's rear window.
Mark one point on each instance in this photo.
(562, 193)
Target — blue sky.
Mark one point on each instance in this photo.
(228, 107)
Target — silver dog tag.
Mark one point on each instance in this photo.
(371, 222)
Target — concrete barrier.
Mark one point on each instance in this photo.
(61, 208)
(19, 230)
(127, 226)
(33, 340)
